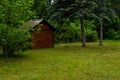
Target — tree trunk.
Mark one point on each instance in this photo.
(101, 32)
(83, 32)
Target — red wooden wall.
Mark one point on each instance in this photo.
(43, 38)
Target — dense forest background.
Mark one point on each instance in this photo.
(65, 17)
(73, 20)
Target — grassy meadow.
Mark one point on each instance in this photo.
(65, 62)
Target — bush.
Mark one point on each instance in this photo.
(71, 32)
(91, 36)
(67, 32)
(110, 34)
(91, 33)
(14, 40)
(117, 36)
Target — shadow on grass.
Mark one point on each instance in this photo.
(15, 56)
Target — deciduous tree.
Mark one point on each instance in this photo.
(14, 13)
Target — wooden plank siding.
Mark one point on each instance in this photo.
(43, 38)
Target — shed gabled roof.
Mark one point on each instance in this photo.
(34, 23)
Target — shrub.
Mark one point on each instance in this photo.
(117, 36)
(67, 32)
(110, 34)
(14, 40)
(71, 32)
(91, 33)
(91, 36)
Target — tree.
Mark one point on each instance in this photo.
(14, 13)
(114, 5)
(101, 13)
(39, 6)
(101, 5)
(78, 8)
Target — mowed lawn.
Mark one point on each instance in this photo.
(65, 62)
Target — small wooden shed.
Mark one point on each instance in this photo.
(42, 34)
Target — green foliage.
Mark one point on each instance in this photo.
(89, 24)
(76, 27)
(110, 34)
(115, 5)
(117, 36)
(14, 13)
(67, 32)
(110, 27)
(40, 8)
(91, 36)
(91, 33)
(71, 32)
(14, 40)
(55, 11)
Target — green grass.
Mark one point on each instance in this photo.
(65, 62)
